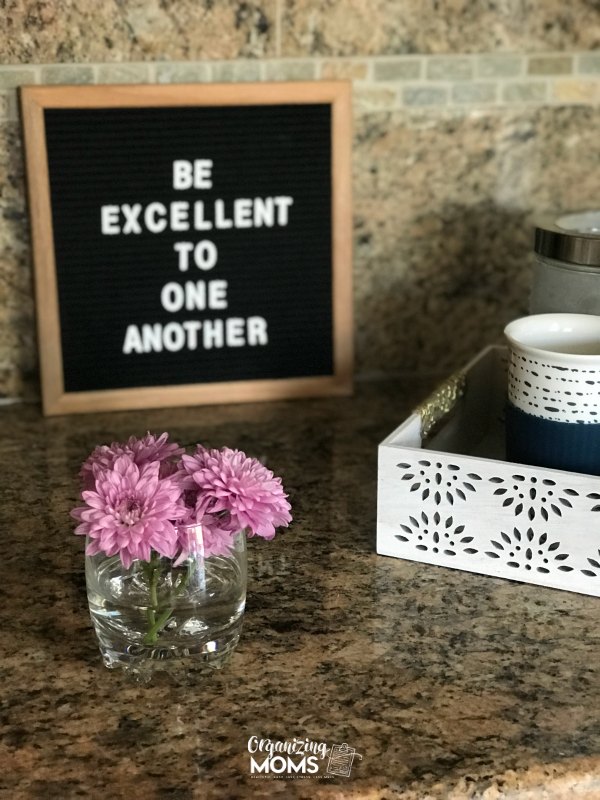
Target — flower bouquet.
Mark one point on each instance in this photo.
(165, 555)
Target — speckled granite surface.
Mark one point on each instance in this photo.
(444, 206)
(111, 30)
(450, 685)
(18, 358)
(370, 27)
(60, 30)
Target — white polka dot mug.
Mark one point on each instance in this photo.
(553, 410)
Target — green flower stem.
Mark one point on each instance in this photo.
(152, 634)
(151, 574)
(157, 615)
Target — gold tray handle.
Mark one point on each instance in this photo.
(440, 403)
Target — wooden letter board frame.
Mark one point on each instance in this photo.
(36, 100)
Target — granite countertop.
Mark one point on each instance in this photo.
(449, 685)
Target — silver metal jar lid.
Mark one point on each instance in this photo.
(574, 238)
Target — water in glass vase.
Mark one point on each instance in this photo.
(154, 615)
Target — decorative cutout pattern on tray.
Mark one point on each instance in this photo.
(534, 496)
(438, 481)
(437, 535)
(528, 551)
(526, 528)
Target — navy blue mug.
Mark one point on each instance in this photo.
(553, 409)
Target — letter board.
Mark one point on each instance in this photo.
(192, 244)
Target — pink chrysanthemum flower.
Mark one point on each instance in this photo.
(188, 467)
(238, 490)
(131, 511)
(148, 448)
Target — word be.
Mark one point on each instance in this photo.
(195, 174)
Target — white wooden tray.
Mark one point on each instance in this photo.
(452, 500)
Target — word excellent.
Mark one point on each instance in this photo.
(181, 216)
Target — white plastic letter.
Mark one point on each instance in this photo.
(242, 212)
(173, 337)
(212, 333)
(192, 326)
(283, 203)
(182, 175)
(133, 340)
(201, 224)
(131, 214)
(172, 297)
(109, 220)
(202, 173)
(257, 331)
(195, 295)
(183, 250)
(205, 255)
(152, 338)
(217, 294)
(264, 212)
(234, 332)
(155, 217)
(180, 211)
(221, 221)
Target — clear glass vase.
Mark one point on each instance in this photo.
(160, 615)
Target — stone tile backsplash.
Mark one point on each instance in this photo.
(470, 120)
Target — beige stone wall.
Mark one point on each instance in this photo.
(471, 118)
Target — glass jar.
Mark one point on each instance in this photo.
(566, 275)
(180, 616)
